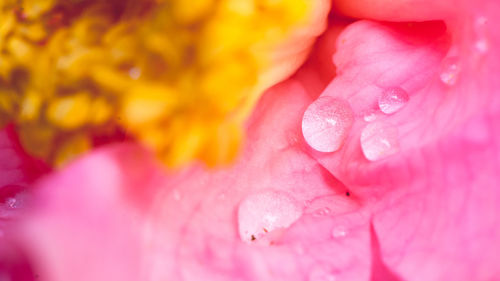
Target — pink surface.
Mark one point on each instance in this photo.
(426, 212)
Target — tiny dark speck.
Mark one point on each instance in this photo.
(253, 238)
(347, 193)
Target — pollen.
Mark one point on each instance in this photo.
(177, 76)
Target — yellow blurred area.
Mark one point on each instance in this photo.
(176, 75)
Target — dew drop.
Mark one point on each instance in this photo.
(339, 232)
(326, 123)
(11, 202)
(450, 69)
(14, 202)
(379, 140)
(134, 73)
(482, 45)
(322, 212)
(265, 212)
(392, 100)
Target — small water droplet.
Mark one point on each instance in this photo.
(262, 213)
(379, 140)
(11, 202)
(322, 212)
(339, 232)
(14, 202)
(176, 194)
(450, 69)
(134, 73)
(482, 45)
(370, 116)
(392, 100)
(326, 123)
(320, 273)
(481, 21)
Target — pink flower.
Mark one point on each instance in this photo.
(425, 209)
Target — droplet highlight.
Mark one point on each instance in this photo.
(261, 214)
(322, 212)
(339, 232)
(392, 100)
(370, 116)
(379, 140)
(326, 123)
(450, 70)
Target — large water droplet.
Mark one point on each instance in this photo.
(262, 213)
(379, 140)
(392, 100)
(450, 69)
(326, 123)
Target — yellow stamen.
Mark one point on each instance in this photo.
(179, 76)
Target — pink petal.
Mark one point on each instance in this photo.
(428, 212)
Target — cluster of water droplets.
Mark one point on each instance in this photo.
(327, 122)
(480, 35)
(450, 70)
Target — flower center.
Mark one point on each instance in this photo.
(176, 75)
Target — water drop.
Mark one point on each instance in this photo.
(134, 73)
(379, 140)
(326, 123)
(450, 69)
(392, 100)
(11, 202)
(320, 273)
(322, 212)
(339, 232)
(482, 45)
(262, 213)
(14, 202)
